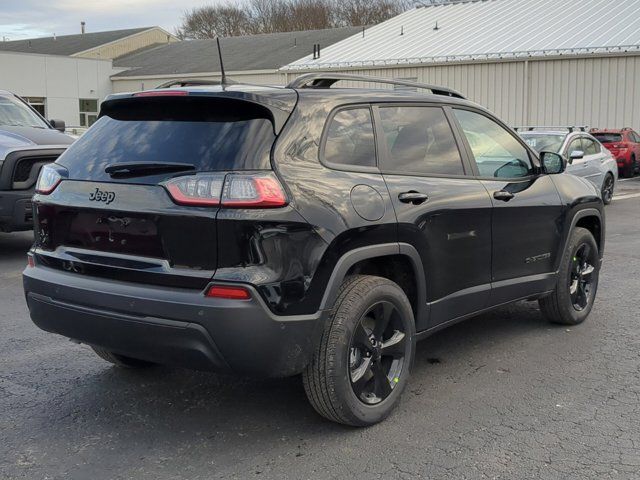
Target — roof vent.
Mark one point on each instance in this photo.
(436, 27)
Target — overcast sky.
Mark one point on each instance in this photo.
(40, 18)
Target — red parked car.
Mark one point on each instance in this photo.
(624, 144)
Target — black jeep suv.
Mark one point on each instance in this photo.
(27, 142)
(306, 229)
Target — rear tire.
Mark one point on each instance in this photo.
(577, 285)
(362, 362)
(607, 189)
(121, 360)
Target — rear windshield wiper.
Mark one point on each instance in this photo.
(149, 168)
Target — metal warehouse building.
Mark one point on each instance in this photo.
(535, 62)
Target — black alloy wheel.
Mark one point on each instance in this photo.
(581, 277)
(377, 353)
(607, 189)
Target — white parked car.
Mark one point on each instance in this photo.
(586, 156)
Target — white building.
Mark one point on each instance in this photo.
(532, 62)
(66, 77)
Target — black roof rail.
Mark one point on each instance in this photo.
(191, 83)
(572, 128)
(326, 80)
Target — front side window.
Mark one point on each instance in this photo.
(419, 141)
(350, 140)
(575, 146)
(496, 151)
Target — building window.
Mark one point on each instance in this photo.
(88, 112)
(38, 103)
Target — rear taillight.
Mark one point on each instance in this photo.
(50, 177)
(260, 190)
(229, 292)
(263, 190)
(203, 190)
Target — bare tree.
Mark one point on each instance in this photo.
(368, 12)
(269, 16)
(226, 20)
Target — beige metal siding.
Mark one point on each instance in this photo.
(129, 44)
(600, 92)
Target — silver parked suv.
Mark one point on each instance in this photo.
(586, 156)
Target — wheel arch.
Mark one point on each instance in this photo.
(591, 219)
(376, 253)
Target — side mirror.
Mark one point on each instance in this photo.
(576, 155)
(58, 125)
(552, 162)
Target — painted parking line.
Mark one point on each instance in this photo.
(627, 196)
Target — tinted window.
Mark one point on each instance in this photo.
(225, 145)
(350, 139)
(608, 137)
(635, 137)
(419, 140)
(590, 147)
(496, 150)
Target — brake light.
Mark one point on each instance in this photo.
(253, 191)
(228, 292)
(30, 261)
(50, 177)
(197, 190)
(161, 93)
(261, 190)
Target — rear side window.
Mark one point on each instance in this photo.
(420, 141)
(496, 151)
(350, 140)
(209, 134)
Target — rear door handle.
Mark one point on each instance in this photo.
(503, 195)
(413, 197)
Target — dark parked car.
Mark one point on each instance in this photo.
(306, 229)
(27, 142)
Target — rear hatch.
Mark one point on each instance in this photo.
(141, 189)
(611, 141)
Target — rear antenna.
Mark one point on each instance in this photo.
(223, 76)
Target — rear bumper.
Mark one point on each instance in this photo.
(170, 326)
(15, 210)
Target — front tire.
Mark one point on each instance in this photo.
(120, 360)
(362, 362)
(572, 300)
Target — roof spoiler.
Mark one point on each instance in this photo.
(326, 80)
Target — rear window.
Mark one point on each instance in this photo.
(608, 137)
(212, 137)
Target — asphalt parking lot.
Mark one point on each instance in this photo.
(503, 395)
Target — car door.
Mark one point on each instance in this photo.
(593, 161)
(527, 212)
(442, 210)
